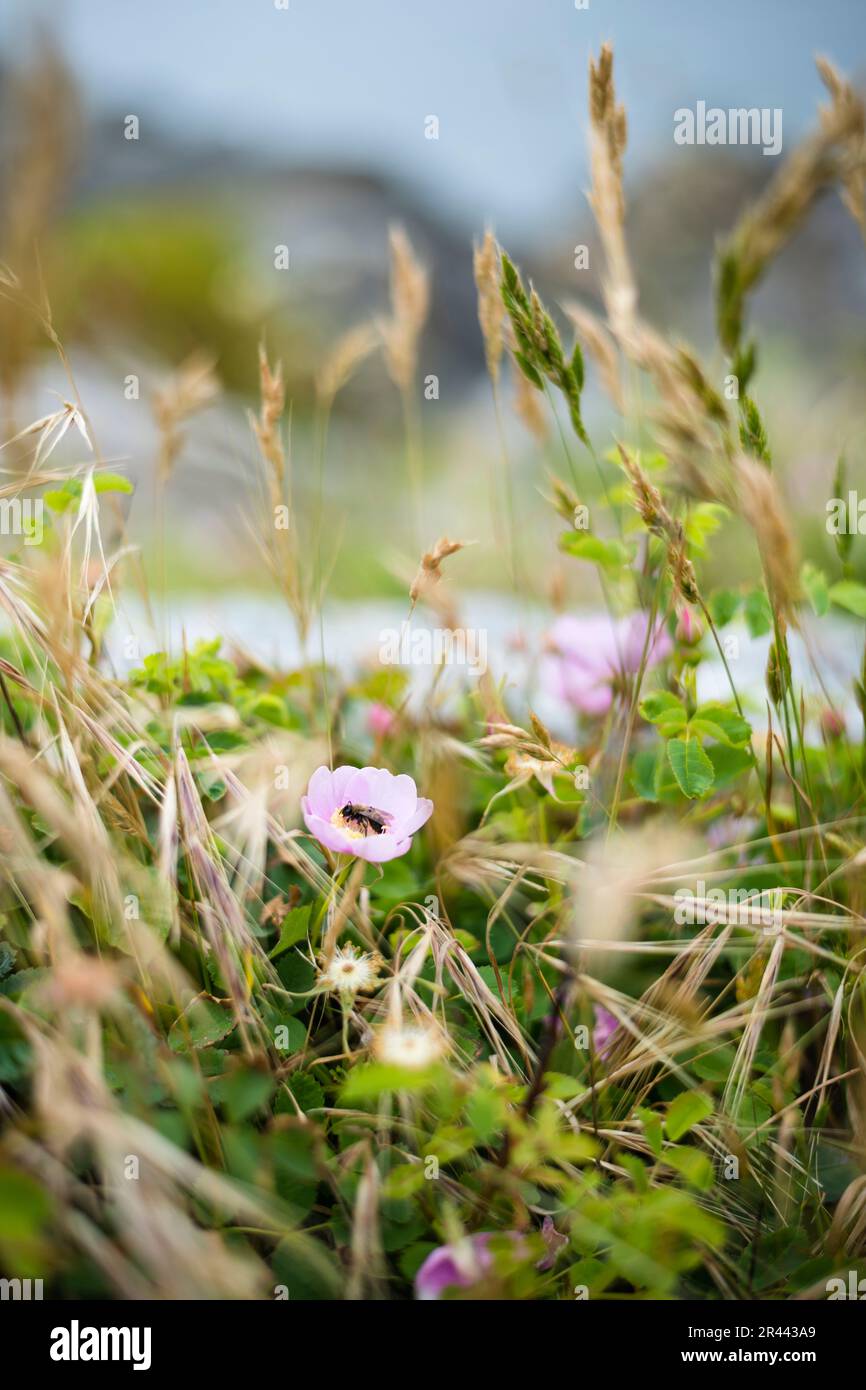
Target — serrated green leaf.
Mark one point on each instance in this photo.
(722, 723)
(691, 766)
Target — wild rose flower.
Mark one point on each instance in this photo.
(367, 812)
(460, 1265)
(589, 655)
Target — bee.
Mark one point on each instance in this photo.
(364, 818)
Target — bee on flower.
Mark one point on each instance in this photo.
(366, 812)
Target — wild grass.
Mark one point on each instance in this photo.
(536, 1050)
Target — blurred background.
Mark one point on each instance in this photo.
(308, 126)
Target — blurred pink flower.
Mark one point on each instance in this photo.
(364, 811)
(380, 720)
(460, 1265)
(588, 654)
(605, 1027)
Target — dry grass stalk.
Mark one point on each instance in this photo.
(267, 427)
(347, 355)
(658, 520)
(410, 302)
(761, 506)
(429, 571)
(598, 342)
(835, 153)
(44, 122)
(491, 310)
(276, 532)
(608, 135)
(193, 387)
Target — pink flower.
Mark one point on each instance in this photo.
(605, 1027)
(364, 811)
(588, 655)
(460, 1265)
(689, 630)
(380, 720)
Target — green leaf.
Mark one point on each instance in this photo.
(691, 766)
(294, 928)
(759, 615)
(306, 1091)
(847, 593)
(611, 555)
(723, 605)
(204, 1022)
(693, 1164)
(111, 482)
(728, 763)
(294, 1037)
(814, 581)
(689, 1108)
(271, 709)
(404, 1181)
(412, 1258)
(307, 1269)
(643, 775)
(703, 521)
(652, 1128)
(62, 498)
(485, 1111)
(722, 723)
(664, 709)
(368, 1081)
(245, 1092)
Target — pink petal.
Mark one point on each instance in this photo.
(329, 835)
(378, 849)
(420, 816)
(396, 795)
(359, 787)
(325, 792)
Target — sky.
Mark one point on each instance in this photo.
(352, 82)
